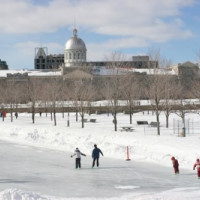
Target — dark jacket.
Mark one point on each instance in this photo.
(95, 153)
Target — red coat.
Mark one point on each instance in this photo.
(197, 165)
(175, 163)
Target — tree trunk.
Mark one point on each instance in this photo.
(183, 121)
(115, 119)
(46, 108)
(54, 115)
(33, 112)
(167, 119)
(63, 112)
(130, 113)
(11, 113)
(82, 119)
(51, 115)
(76, 116)
(158, 122)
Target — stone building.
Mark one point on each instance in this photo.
(48, 62)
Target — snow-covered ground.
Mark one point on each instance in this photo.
(144, 144)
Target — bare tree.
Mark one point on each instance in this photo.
(11, 92)
(156, 85)
(45, 96)
(54, 92)
(34, 94)
(168, 96)
(115, 83)
(2, 99)
(183, 103)
(82, 95)
(130, 91)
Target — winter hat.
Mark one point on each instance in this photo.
(172, 158)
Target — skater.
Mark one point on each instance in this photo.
(175, 165)
(197, 165)
(95, 155)
(78, 154)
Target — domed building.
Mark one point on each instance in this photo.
(75, 51)
(75, 58)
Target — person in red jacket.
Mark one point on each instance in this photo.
(197, 165)
(175, 165)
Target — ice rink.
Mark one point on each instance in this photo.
(52, 173)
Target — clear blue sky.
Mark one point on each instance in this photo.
(129, 26)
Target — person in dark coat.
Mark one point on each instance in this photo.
(175, 165)
(77, 154)
(95, 155)
(16, 115)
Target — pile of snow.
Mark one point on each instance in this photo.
(15, 194)
(175, 194)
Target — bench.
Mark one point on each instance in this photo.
(93, 120)
(85, 120)
(127, 128)
(142, 122)
(153, 124)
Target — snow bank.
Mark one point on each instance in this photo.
(175, 194)
(14, 194)
(143, 142)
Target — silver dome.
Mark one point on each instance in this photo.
(75, 42)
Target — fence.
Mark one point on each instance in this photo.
(191, 127)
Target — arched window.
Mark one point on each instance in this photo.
(78, 55)
(74, 56)
(70, 56)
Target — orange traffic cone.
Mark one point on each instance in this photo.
(127, 151)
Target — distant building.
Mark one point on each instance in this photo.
(75, 56)
(187, 70)
(3, 65)
(44, 61)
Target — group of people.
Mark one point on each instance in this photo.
(95, 155)
(176, 166)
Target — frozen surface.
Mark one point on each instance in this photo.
(36, 163)
(52, 173)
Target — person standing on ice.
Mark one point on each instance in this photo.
(175, 165)
(197, 165)
(78, 154)
(95, 155)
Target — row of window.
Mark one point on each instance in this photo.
(76, 55)
(45, 67)
(49, 61)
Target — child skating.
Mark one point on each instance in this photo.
(197, 165)
(175, 165)
(77, 154)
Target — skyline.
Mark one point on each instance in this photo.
(106, 26)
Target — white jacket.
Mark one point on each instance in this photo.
(77, 153)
